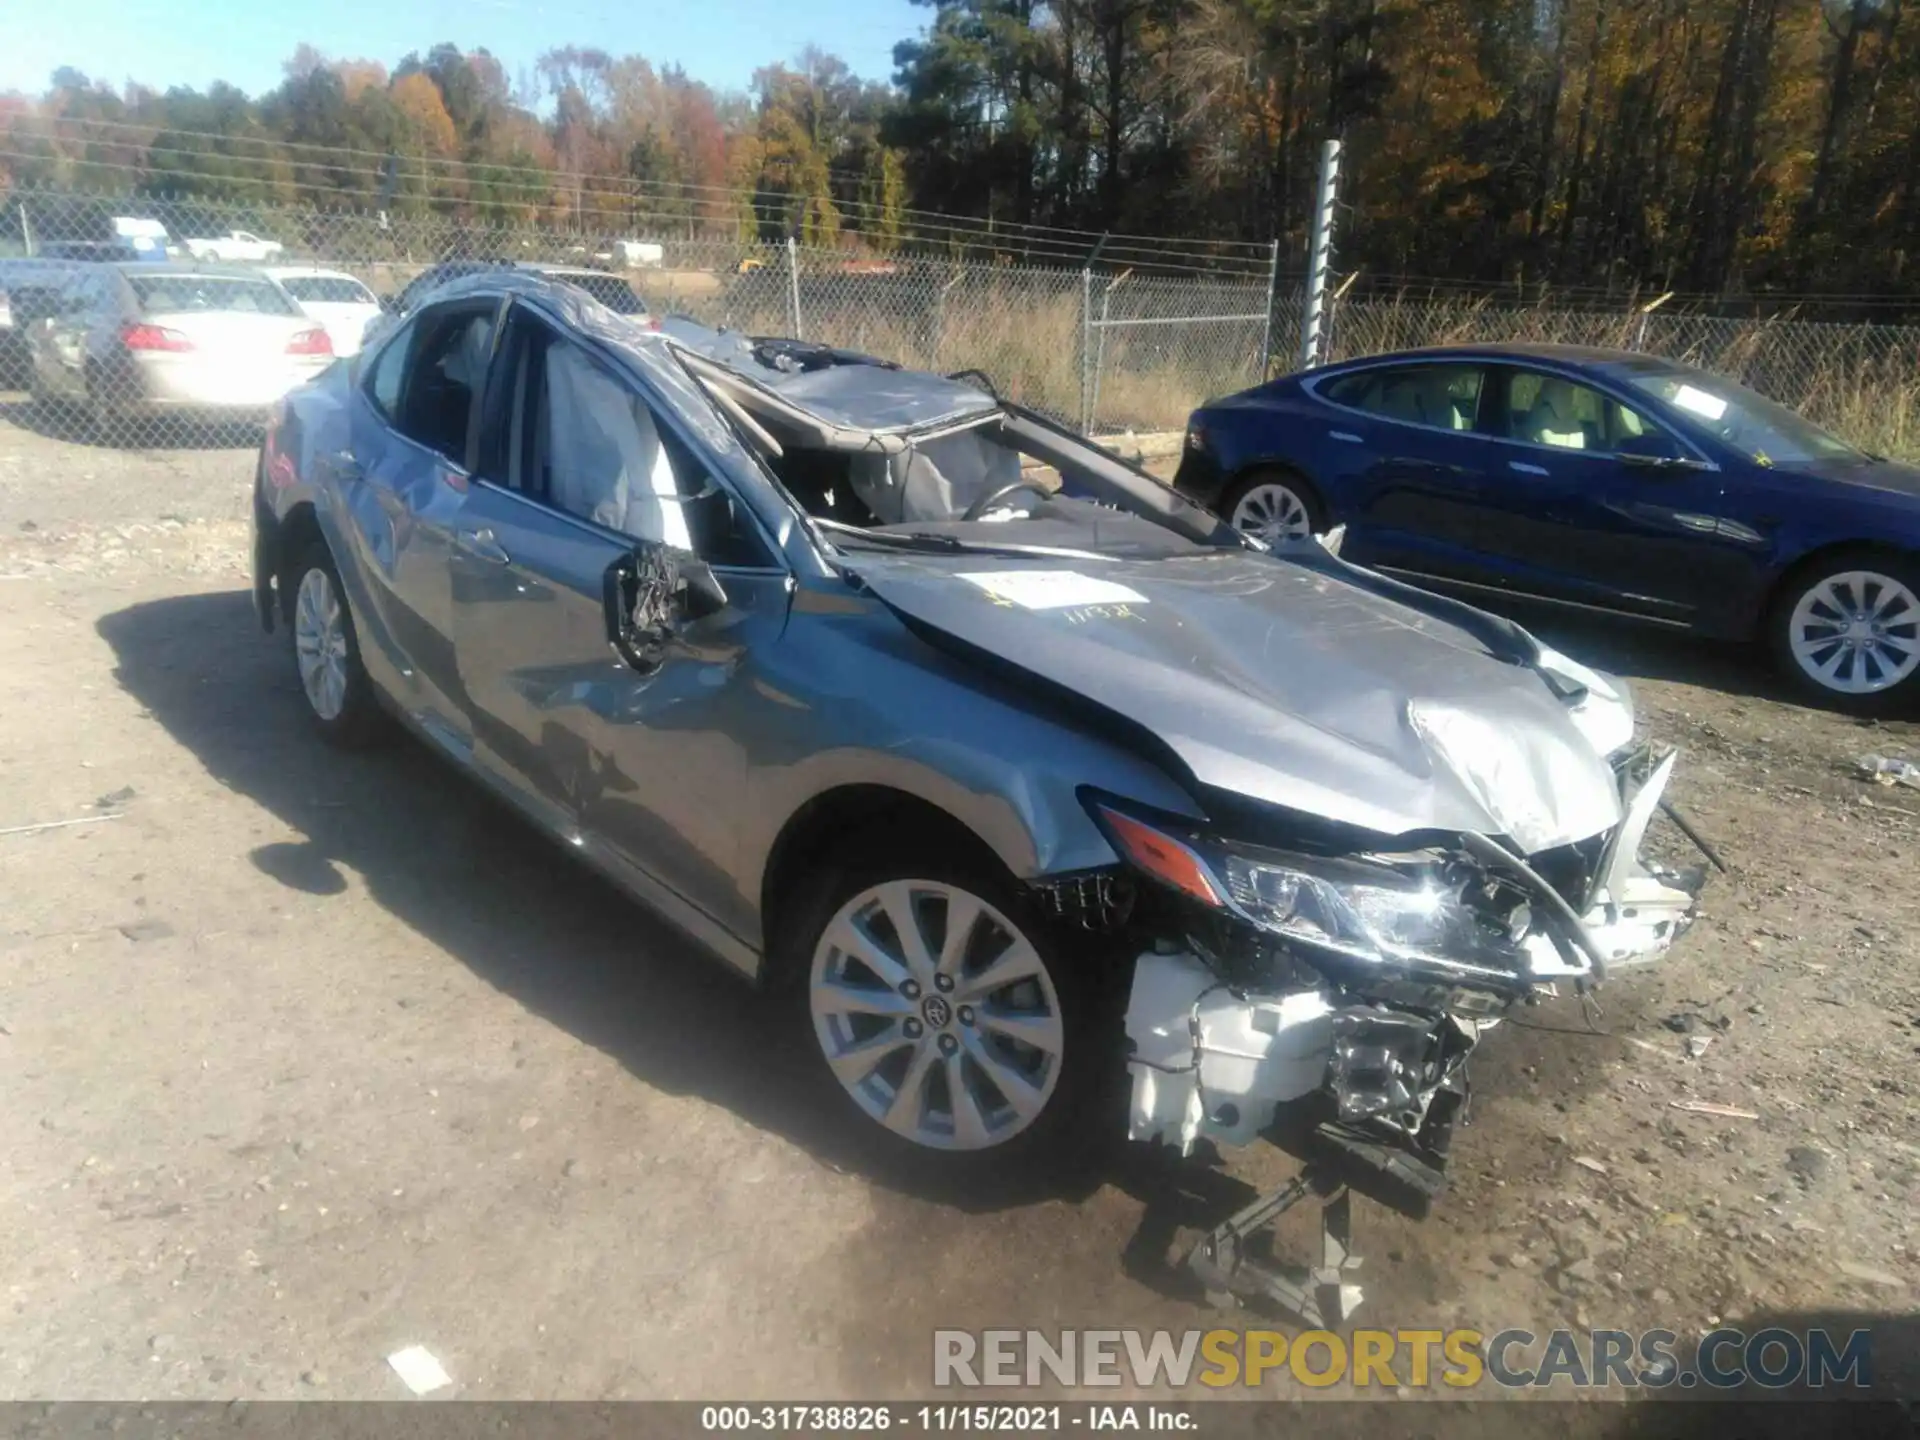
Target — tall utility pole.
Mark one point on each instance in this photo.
(1319, 255)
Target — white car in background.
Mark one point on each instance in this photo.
(144, 339)
(234, 245)
(342, 304)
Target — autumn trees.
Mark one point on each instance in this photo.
(1716, 146)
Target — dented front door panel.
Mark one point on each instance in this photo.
(639, 762)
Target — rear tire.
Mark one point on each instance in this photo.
(961, 1057)
(340, 696)
(1846, 631)
(1274, 505)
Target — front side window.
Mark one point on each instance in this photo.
(1446, 397)
(584, 440)
(1548, 410)
(1743, 418)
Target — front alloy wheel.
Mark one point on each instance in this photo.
(1853, 633)
(936, 1014)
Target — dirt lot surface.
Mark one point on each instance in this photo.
(306, 1058)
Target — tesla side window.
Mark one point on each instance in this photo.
(1446, 397)
(447, 369)
(1547, 410)
(584, 440)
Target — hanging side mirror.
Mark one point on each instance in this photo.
(651, 592)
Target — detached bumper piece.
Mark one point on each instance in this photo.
(1361, 1070)
(1210, 1064)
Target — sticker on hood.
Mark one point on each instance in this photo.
(1051, 589)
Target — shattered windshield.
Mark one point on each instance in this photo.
(1769, 432)
(935, 462)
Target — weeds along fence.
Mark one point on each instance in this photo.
(1104, 348)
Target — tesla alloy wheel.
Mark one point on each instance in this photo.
(1850, 631)
(1273, 507)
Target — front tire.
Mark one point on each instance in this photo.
(326, 652)
(1847, 631)
(950, 1023)
(1274, 506)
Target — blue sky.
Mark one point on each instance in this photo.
(195, 42)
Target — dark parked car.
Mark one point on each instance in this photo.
(1602, 480)
(955, 731)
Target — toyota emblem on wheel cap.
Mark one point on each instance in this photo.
(938, 1012)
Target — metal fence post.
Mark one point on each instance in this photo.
(1273, 296)
(1640, 335)
(793, 285)
(1086, 351)
(1319, 253)
(1100, 350)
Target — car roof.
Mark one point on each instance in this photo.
(308, 272)
(1502, 350)
(845, 390)
(545, 267)
(132, 268)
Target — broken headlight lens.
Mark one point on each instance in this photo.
(1346, 914)
(1333, 907)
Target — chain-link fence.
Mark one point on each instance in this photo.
(106, 354)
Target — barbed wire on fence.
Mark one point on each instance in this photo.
(1114, 348)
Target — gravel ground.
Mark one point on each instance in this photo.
(308, 1058)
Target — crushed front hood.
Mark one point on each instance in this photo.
(1282, 683)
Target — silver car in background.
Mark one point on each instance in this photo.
(141, 339)
(27, 285)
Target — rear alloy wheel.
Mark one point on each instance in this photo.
(1850, 632)
(326, 653)
(1273, 508)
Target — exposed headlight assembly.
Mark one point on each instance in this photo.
(1339, 913)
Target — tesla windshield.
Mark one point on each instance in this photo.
(1769, 432)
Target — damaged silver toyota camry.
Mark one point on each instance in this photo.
(991, 755)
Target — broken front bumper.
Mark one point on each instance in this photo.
(1215, 1060)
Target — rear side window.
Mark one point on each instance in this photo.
(1446, 397)
(186, 294)
(389, 367)
(327, 290)
(447, 370)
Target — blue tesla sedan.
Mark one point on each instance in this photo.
(1603, 480)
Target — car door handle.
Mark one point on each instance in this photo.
(1525, 469)
(1346, 435)
(481, 545)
